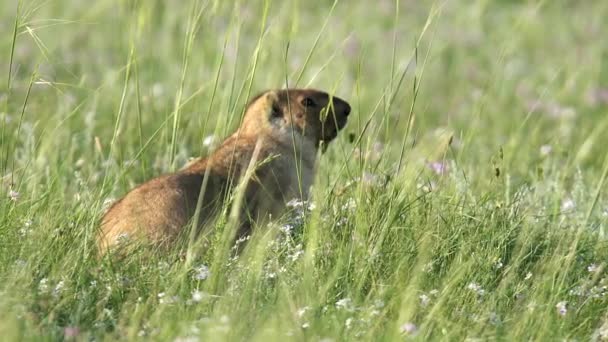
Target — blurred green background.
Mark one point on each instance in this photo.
(98, 96)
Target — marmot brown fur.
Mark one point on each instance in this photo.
(271, 155)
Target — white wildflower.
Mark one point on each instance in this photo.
(58, 288)
(296, 254)
(562, 308)
(345, 304)
(593, 268)
(26, 228)
(476, 288)
(13, 195)
(348, 323)
(286, 229)
(80, 163)
(494, 318)
(295, 203)
(302, 311)
(201, 272)
(108, 313)
(197, 296)
(43, 285)
(568, 204)
(408, 328)
(210, 141)
(440, 168)
(242, 239)
(424, 300)
(107, 202)
(598, 291)
(545, 150)
(429, 186)
(342, 222)
(350, 205)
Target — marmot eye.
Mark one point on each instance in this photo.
(308, 102)
(276, 111)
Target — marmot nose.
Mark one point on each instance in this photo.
(341, 106)
(347, 109)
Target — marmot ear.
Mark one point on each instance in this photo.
(272, 105)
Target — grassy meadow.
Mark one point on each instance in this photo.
(466, 199)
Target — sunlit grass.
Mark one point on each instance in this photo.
(465, 199)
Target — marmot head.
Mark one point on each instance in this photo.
(313, 114)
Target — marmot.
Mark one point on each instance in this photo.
(271, 155)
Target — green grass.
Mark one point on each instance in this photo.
(410, 237)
